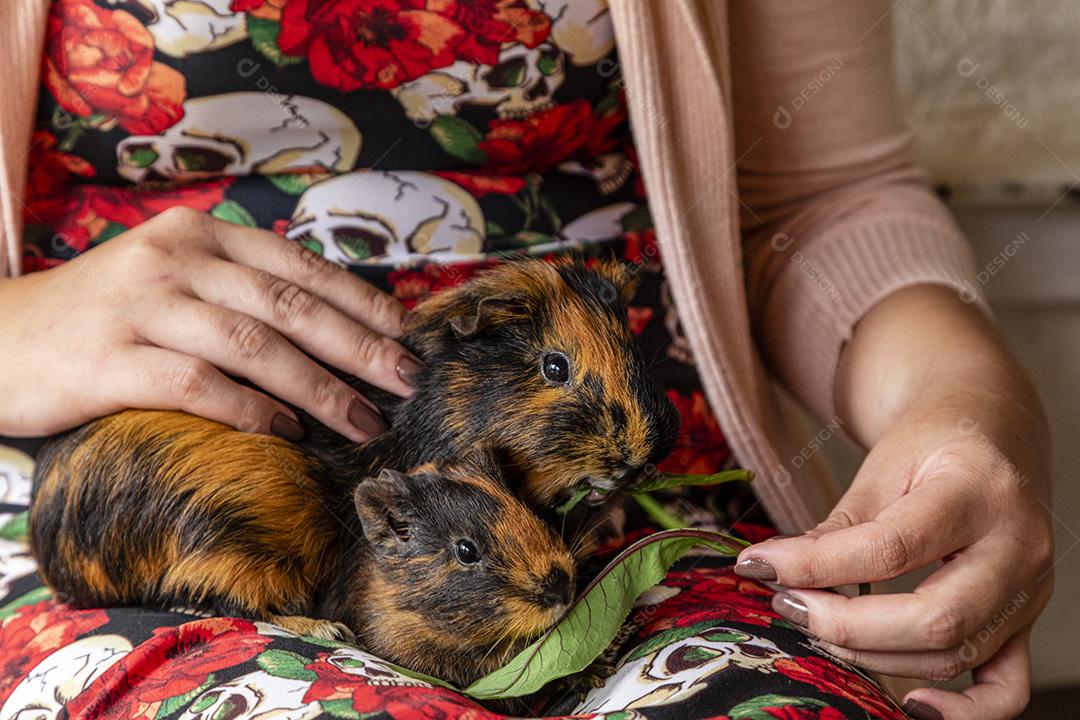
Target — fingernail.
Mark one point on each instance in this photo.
(365, 419)
(409, 369)
(407, 319)
(791, 608)
(285, 427)
(755, 568)
(921, 711)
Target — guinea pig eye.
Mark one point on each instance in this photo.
(466, 552)
(555, 367)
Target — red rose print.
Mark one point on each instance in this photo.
(641, 247)
(354, 44)
(50, 172)
(400, 702)
(700, 447)
(37, 631)
(752, 532)
(835, 680)
(84, 212)
(412, 286)
(175, 661)
(792, 712)
(539, 142)
(480, 185)
(490, 23)
(265, 9)
(100, 63)
(639, 318)
(712, 595)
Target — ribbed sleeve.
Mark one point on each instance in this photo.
(832, 281)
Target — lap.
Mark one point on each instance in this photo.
(704, 643)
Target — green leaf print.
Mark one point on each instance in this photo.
(233, 212)
(15, 527)
(111, 230)
(596, 616)
(340, 708)
(173, 704)
(286, 664)
(755, 709)
(292, 183)
(458, 138)
(675, 635)
(34, 596)
(264, 34)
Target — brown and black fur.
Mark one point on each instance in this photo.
(482, 344)
(162, 508)
(385, 570)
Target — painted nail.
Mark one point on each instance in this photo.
(921, 711)
(791, 608)
(756, 568)
(364, 419)
(409, 369)
(285, 427)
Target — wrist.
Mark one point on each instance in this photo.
(923, 350)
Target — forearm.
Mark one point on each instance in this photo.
(923, 349)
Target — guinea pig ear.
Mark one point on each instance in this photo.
(489, 311)
(380, 503)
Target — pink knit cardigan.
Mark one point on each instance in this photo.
(780, 180)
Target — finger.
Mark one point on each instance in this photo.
(951, 605)
(913, 532)
(1001, 689)
(244, 346)
(158, 379)
(302, 266)
(315, 326)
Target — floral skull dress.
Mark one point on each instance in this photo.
(415, 142)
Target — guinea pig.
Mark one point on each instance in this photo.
(442, 570)
(535, 358)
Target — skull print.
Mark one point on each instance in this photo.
(381, 216)
(522, 82)
(242, 133)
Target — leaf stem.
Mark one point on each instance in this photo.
(656, 511)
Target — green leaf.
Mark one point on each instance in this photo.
(233, 212)
(755, 709)
(34, 596)
(292, 183)
(658, 513)
(594, 619)
(493, 229)
(286, 664)
(173, 704)
(15, 527)
(673, 480)
(264, 34)
(458, 138)
(341, 708)
(577, 497)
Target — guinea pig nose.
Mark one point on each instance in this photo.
(556, 588)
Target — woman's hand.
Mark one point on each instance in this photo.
(159, 316)
(958, 473)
